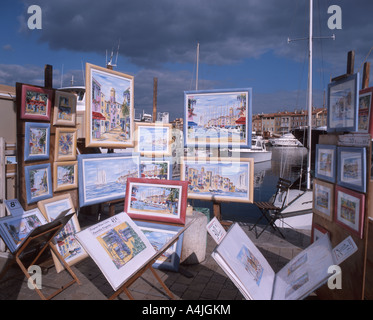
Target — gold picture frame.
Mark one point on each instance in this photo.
(65, 175)
(65, 144)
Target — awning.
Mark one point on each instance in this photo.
(241, 120)
(97, 116)
(192, 124)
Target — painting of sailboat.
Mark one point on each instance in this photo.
(103, 177)
(215, 118)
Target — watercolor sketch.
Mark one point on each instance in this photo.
(121, 244)
(65, 109)
(343, 104)
(37, 137)
(323, 195)
(18, 227)
(38, 182)
(230, 180)
(65, 175)
(156, 169)
(65, 146)
(159, 235)
(36, 103)
(109, 108)
(296, 284)
(218, 117)
(251, 264)
(103, 177)
(325, 162)
(153, 139)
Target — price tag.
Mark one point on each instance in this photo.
(14, 207)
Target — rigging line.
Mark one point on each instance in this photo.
(366, 58)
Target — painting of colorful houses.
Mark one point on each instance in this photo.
(220, 180)
(109, 108)
(37, 137)
(217, 118)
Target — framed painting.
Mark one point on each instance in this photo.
(65, 175)
(36, 103)
(109, 108)
(351, 171)
(156, 200)
(343, 104)
(38, 181)
(65, 145)
(365, 124)
(218, 118)
(103, 177)
(220, 179)
(349, 210)
(159, 235)
(323, 199)
(317, 232)
(37, 141)
(65, 242)
(64, 111)
(152, 139)
(325, 162)
(156, 168)
(14, 229)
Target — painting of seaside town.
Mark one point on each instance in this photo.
(154, 140)
(110, 109)
(155, 169)
(219, 180)
(39, 181)
(105, 178)
(37, 146)
(157, 200)
(216, 118)
(36, 103)
(122, 244)
(251, 264)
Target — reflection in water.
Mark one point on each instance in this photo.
(286, 163)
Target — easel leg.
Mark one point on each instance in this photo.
(162, 283)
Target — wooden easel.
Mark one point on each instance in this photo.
(216, 207)
(41, 236)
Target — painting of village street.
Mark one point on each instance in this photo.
(122, 244)
(217, 118)
(219, 180)
(157, 200)
(36, 103)
(251, 264)
(110, 110)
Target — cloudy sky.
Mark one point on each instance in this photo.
(243, 44)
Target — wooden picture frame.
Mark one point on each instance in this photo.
(219, 179)
(158, 235)
(36, 103)
(37, 141)
(156, 200)
(325, 162)
(218, 118)
(65, 175)
(103, 177)
(153, 139)
(65, 144)
(350, 210)
(352, 171)
(365, 124)
(64, 111)
(156, 168)
(109, 103)
(323, 199)
(38, 181)
(65, 242)
(343, 104)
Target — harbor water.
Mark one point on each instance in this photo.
(287, 163)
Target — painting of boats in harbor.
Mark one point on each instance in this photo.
(160, 200)
(215, 118)
(217, 179)
(104, 177)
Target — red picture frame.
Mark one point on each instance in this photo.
(365, 111)
(349, 210)
(36, 103)
(156, 200)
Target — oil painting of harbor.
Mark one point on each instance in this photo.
(216, 118)
(230, 180)
(104, 177)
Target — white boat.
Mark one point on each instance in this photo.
(258, 151)
(286, 140)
